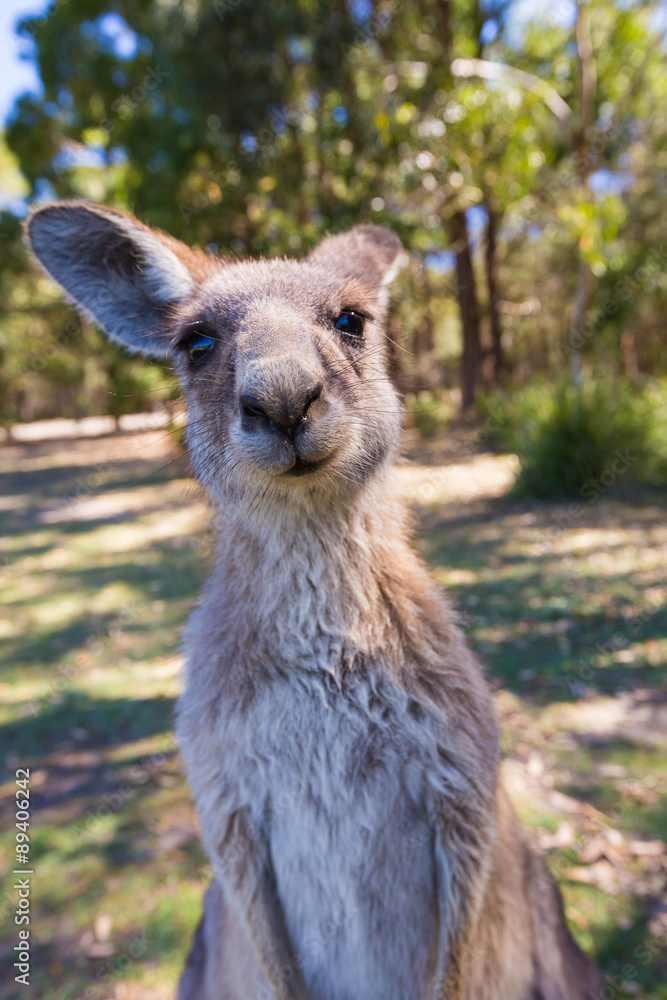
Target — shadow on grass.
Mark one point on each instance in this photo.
(86, 977)
(54, 488)
(631, 957)
(629, 804)
(105, 721)
(78, 481)
(156, 571)
(525, 610)
(558, 626)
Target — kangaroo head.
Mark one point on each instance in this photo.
(281, 361)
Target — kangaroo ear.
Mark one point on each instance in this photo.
(123, 275)
(371, 254)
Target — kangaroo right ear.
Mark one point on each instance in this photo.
(120, 273)
(371, 253)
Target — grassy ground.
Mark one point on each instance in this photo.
(98, 573)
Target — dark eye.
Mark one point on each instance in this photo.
(199, 344)
(351, 323)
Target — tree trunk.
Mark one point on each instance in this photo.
(492, 285)
(466, 293)
(629, 354)
(423, 373)
(445, 7)
(469, 308)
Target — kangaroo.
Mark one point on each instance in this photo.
(338, 733)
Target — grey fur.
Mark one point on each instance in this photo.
(339, 736)
(115, 270)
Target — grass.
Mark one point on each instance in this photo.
(98, 574)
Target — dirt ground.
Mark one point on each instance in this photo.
(102, 554)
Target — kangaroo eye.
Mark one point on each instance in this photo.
(351, 323)
(199, 345)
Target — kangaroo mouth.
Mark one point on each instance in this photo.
(303, 468)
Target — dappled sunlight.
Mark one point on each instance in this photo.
(570, 615)
(640, 716)
(488, 181)
(483, 476)
(571, 624)
(119, 503)
(90, 676)
(546, 603)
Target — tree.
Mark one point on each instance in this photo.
(255, 131)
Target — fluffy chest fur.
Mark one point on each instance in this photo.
(336, 786)
(320, 714)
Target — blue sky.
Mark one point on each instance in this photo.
(16, 75)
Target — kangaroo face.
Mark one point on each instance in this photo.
(282, 365)
(281, 361)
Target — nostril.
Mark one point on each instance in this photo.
(314, 394)
(252, 407)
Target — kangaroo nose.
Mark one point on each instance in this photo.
(280, 412)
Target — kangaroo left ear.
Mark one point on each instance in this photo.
(123, 275)
(371, 254)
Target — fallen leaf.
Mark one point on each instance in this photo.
(597, 848)
(563, 837)
(646, 848)
(102, 927)
(602, 875)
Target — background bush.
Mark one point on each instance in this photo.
(572, 440)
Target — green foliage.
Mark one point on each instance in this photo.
(256, 129)
(580, 441)
(430, 412)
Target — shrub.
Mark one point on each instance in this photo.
(430, 411)
(576, 440)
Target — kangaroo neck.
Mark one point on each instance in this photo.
(308, 581)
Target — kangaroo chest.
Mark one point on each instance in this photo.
(335, 785)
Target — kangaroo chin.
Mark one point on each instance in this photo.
(338, 734)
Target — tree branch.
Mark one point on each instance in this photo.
(500, 71)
